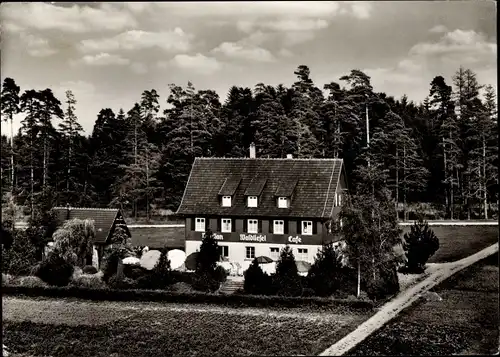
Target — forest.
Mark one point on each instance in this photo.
(440, 154)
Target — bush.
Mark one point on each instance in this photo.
(89, 269)
(134, 271)
(287, 281)
(419, 245)
(220, 274)
(327, 273)
(110, 264)
(161, 276)
(55, 270)
(308, 292)
(91, 281)
(181, 288)
(171, 297)
(182, 277)
(385, 284)
(6, 279)
(256, 281)
(119, 284)
(205, 282)
(21, 255)
(31, 282)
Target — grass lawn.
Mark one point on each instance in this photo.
(457, 242)
(81, 328)
(464, 322)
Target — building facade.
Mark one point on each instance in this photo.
(256, 206)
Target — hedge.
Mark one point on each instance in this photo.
(173, 297)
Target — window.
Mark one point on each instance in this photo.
(336, 199)
(200, 225)
(307, 227)
(275, 254)
(302, 254)
(278, 227)
(250, 252)
(282, 202)
(252, 201)
(226, 201)
(340, 199)
(253, 226)
(226, 225)
(224, 251)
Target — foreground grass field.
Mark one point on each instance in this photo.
(464, 322)
(81, 328)
(457, 242)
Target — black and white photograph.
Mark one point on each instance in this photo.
(249, 178)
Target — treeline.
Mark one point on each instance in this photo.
(443, 151)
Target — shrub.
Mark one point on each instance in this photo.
(307, 292)
(419, 245)
(205, 282)
(134, 271)
(110, 264)
(287, 280)
(182, 277)
(6, 279)
(31, 282)
(21, 255)
(161, 273)
(385, 284)
(327, 273)
(89, 269)
(182, 288)
(124, 283)
(209, 254)
(55, 270)
(220, 274)
(91, 281)
(256, 281)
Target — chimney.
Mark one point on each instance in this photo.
(289, 156)
(252, 151)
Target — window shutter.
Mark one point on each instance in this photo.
(219, 222)
(245, 225)
(193, 220)
(233, 225)
(271, 226)
(285, 224)
(259, 225)
(315, 227)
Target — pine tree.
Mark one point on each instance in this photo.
(10, 107)
(70, 130)
(327, 273)
(287, 279)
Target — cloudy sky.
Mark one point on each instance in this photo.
(108, 53)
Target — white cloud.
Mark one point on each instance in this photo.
(438, 29)
(139, 68)
(361, 9)
(444, 56)
(458, 46)
(252, 9)
(75, 19)
(297, 37)
(283, 25)
(198, 63)
(103, 59)
(36, 46)
(172, 41)
(285, 53)
(240, 51)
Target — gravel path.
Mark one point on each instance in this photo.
(438, 273)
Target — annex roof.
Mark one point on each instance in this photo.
(104, 219)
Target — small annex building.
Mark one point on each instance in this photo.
(105, 222)
(256, 206)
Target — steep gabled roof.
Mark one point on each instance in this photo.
(158, 236)
(104, 219)
(312, 181)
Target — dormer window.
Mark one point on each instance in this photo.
(252, 201)
(282, 202)
(226, 201)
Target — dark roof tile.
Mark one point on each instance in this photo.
(314, 194)
(256, 186)
(157, 236)
(229, 185)
(103, 219)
